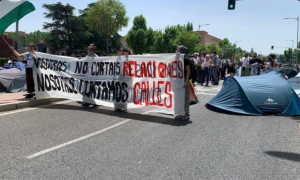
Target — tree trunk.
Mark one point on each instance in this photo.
(107, 46)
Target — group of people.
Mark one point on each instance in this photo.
(212, 67)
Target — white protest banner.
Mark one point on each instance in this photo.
(137, 81)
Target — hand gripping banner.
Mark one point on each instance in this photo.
(137, 81)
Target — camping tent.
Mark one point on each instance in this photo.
(295, 83)
(18, 65)
(18, 84)
(257, 95)
(12, 80)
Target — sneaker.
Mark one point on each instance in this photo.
(201, 84)
(29, 96)
(207, 85)
(179, 117)
(185, 118)
(85, 104)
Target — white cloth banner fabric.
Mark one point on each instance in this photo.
(137, 81)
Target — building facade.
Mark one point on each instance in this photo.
(207, 39)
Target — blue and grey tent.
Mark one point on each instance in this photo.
(268, 94)
(18, 65)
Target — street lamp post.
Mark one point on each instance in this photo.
(199, 35)
(297, 19)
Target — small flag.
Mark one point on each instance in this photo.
(12, 11)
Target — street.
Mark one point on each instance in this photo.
(67, 141)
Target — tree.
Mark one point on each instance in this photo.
(200, 48)
(224, 43)
(213, 47)
(4, 48)
(60, 28)
(36, 36)
(106, 17)
(188, 39)
(189, 26)
(288, 55)
(139, 38)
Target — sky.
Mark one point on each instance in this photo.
(259, 24)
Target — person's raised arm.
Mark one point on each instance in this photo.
(16, 53)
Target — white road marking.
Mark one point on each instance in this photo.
(29, 109)
(79, 139)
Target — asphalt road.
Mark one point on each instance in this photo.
(66, 141)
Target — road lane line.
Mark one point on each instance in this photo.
(79, 139)
(76, 140)
(29, 109)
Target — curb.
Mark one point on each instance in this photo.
(24, 104)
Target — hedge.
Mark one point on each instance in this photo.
(3, 61)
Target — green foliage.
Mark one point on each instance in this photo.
(213, 47)
(106, 17)
(187, 38)
(139, 38)
(288, 55)
(200, 48)
(61, 33)
(3, 61)
(36, 36)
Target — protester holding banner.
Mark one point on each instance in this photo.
(186, 85)
(122, 54)
(28, 57)
(92, 51)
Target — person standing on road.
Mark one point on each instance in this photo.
(205, 71)
(214, 69)
(123, 56)
(29, 58)
(245, 65)
(232, 65)
(186, 85)
(199, 68)
(223, 69)
(255, 63)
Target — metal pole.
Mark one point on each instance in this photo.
(297, 41)
(17, 33)
(199, 40)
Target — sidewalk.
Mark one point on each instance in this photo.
(13, 101)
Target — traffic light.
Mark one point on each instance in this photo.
(272, 47)
(231, 4)
(15, 45)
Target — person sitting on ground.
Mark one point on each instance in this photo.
(10, 61)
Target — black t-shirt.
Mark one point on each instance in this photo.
(186, 63)
(256, 60)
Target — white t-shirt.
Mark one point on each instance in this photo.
(205, 63)
(245, 62)
(29, 58)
